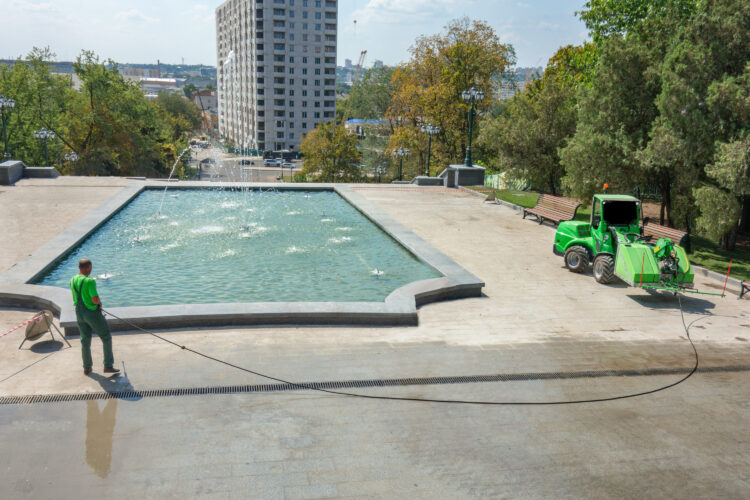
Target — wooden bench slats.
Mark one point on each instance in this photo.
(552, 208)
(658, 231)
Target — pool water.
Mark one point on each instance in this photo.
(220, 246)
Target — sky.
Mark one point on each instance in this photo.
(144, 31)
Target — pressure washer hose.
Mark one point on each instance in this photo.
(428, 400)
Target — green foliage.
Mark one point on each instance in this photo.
(189, 90)
(371, 96)
(720, 203)
(428, 88)
(185, 116)
(720, 212)
(525, 137)
(528, 136)
(331, 154)
(610, 18)
(614, 117)
(109, 123)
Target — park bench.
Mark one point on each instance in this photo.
(656, 231)
(553, 208)
(745, 288)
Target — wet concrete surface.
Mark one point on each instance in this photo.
(689, 442)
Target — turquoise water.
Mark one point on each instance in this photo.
(214, 246)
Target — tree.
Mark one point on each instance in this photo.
(428, 88)
(615, 115)
(371, 96)
(41, 101)
(189, 90)
(331, 154)
(703, 99)
(525, 138)
(721, 202)
(109, 123)
(611, 18)
(185, 116)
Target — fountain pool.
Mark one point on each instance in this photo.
(241, 246)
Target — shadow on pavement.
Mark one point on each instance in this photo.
(656, 300)
(117, 385)
(47, 347)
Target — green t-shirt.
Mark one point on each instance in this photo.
(87, 286)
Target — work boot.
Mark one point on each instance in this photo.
(111, 369)
(87, 371)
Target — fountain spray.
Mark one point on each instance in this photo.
(171, 173)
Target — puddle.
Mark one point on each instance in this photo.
(100, 427)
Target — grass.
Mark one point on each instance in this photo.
(526, 199)
(705, 253)
(709, 255)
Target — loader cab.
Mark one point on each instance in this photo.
(618, 212)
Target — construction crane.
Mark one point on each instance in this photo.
(355, 80)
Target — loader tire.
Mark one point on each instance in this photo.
(577, 259)
(604, 269)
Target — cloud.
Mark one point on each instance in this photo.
(201, 13)
(28, 6)
(134, 16)
(544, 25)
(402, 11)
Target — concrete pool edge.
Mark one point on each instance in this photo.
(399, 309)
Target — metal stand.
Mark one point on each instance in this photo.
(50, 326)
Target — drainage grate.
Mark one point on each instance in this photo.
(357, 384)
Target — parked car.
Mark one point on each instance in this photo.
(247, 162)
(208, 161)
(288, 165)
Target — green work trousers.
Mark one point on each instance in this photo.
(90, 322)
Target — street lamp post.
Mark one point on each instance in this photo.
(73, 158)
(472, 97)
(45, 135)
(400, 153)
(6, 105)
(380, 170)
(430, 130)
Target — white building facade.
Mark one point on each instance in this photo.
(276, 70)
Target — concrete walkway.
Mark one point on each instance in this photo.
(536, 318)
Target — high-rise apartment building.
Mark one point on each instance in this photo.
(276, 70)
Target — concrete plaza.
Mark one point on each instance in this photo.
(559, 332)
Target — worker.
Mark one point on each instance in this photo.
(90, 318)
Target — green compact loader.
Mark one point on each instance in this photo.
(614, 242)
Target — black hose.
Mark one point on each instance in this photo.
(441, 401)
